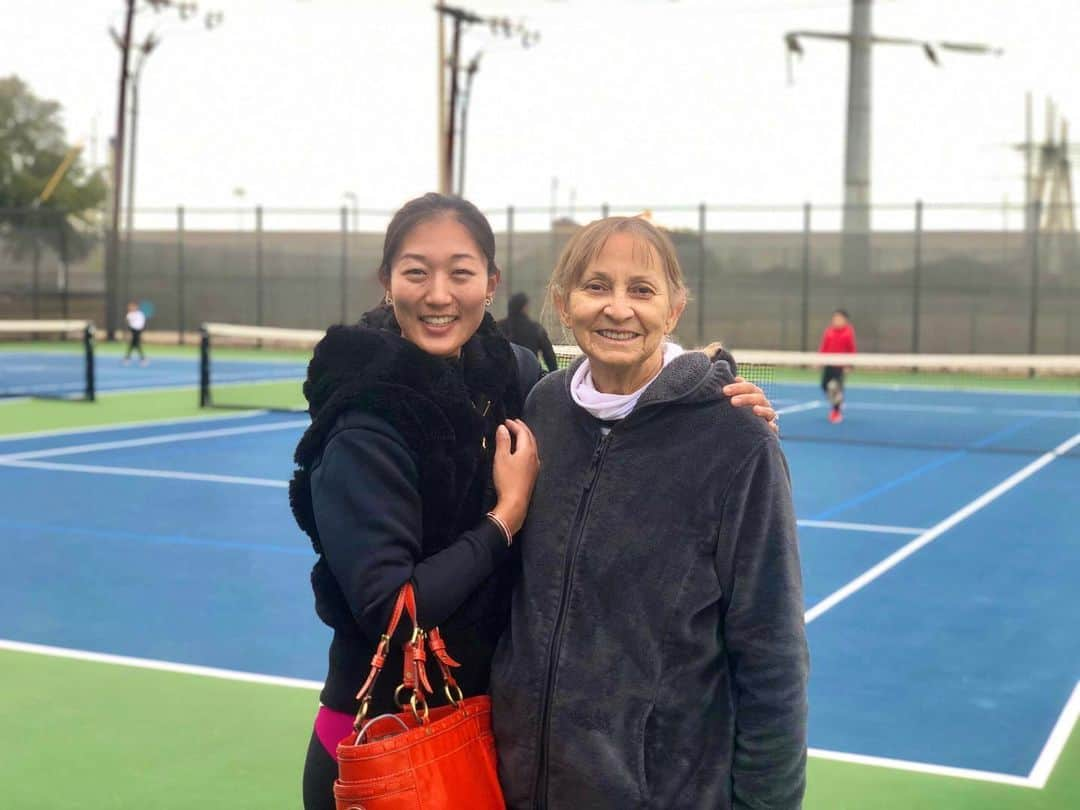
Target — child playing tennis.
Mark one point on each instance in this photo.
(136, 321)
(838, 338)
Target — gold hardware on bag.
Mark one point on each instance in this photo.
(415, 701)
(362, 714)
(450, 695)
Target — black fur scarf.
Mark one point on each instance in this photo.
(446, 411)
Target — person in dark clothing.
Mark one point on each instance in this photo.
(406, 473)
(656, 655)
(519, 328)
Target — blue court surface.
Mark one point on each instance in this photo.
(59, 373)
(940, 537)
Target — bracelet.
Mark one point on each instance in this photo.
(502, 527)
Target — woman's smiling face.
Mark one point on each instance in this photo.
(439, 283)
(620, 311)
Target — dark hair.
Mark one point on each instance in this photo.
(518, 302)
(431, 206)
(842, 312)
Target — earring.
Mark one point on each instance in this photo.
(489, 300)
(389, 301)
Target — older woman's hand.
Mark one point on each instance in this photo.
(515, 472)
(745, 394)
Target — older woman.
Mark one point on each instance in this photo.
(656, 654)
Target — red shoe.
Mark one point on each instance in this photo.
(835, 416)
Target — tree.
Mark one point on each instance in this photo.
(33, 146)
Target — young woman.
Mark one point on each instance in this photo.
(407, 472)
(656, 654)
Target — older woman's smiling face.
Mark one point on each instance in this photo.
(620, 311)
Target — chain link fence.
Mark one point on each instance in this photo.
(943, 279)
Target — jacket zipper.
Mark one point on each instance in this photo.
(578, 528)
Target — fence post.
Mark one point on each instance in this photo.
(36, 231)
(509, 251)
(1033, 236)
(258, 266)
(180, 291)
(344, 279)
(916, 280)
(605, 210)
(804, 316)
(65, 267)
(701, 275)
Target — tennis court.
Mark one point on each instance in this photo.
(939, 544)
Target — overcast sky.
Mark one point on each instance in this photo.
(634, 102)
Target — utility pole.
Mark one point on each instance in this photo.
(112, 246)
(860, 41)
(470, 72)
(185, 9)
(448, 77)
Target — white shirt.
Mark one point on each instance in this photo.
(609, 407)
(136, 320)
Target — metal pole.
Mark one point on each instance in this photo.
(604, 211)
(444, 183)
(804, 319)
(916, 280)
(857, 146)
(701, 275)
(65, 267)
(451, 116)
(1033, 235)
(509, 251)
(344, 287)
(112, 246)
(258, 266)
(129, 226)
(180, 292)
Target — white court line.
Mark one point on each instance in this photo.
(859, 527)
(1037, 779)
(181, 420)
(802, 406)
(924, 767)
(894, 559)
(960, 409)
(162, 666)
(1048, 758)
(140, 472)
(151, 440)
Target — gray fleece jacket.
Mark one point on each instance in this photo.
(656, 655)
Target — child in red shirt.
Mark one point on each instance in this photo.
(838, 337)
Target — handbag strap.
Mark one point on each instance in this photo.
(414, 677)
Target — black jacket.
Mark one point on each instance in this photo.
(523, 331)
(656, 655)
(393, 479)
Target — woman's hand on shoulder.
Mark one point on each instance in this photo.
(514, 472)
(745, 394)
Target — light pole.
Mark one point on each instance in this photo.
(351, 198)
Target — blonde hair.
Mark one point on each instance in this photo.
(585, 245)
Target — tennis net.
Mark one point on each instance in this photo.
(47, 359)
(254, 367)
(1026, 404)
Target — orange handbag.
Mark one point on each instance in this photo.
(422, 758)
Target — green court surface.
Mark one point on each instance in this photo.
(108, 736)
(118, 737)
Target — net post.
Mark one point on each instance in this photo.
(343, 280)
(180, 312)
(88, 353)
(701, 275)
(605, 211)
(204, 368)
(916, 279)
(509, 251)
(804, 317)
